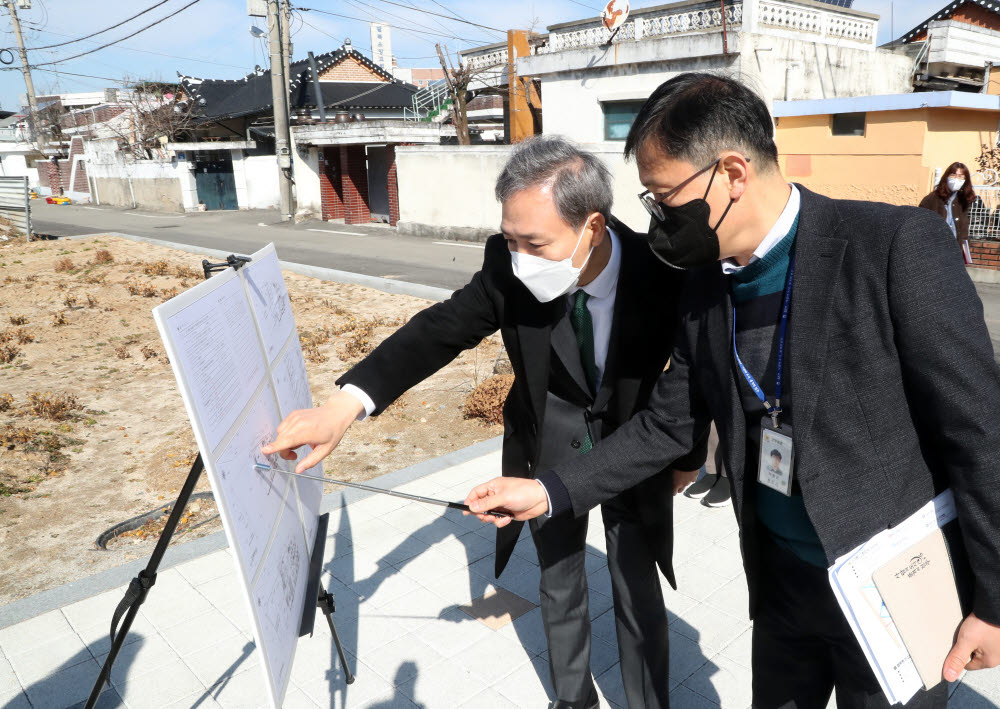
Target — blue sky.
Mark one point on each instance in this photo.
(211, 39)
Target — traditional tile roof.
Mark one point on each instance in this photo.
(944, 13)
(221, 99)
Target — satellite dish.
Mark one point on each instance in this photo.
(614, 14)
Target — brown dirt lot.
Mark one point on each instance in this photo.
(72, 326)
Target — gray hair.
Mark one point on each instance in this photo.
(581, 183)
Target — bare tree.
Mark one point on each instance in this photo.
(458, 86)
(153, 111)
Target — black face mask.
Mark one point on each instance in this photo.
(683, 239)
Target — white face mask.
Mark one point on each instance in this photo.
(547, 280)
(955, 183)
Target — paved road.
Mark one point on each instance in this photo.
(374, 251)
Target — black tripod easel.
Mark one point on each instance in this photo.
(138, 588)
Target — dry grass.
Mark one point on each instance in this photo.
(53, 406)
(136, 287)
(65, 264)
(70, 300)
(156, 268)
(6, 402)
(6, 336)
(59, 319)
(486, 400)
(121, 352)
(91, 301)
(148, 352)
(362, 338)
(187, 272)
(95, 279)
(102, 257)
(8, 353)
(18, 319)
(23, 336)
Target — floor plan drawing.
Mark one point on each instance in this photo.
(234, 349)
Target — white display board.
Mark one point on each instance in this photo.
(235, 351)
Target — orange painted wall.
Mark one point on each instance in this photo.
(893, 162)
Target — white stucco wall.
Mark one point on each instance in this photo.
(305, 168)
(777, 67)
(262, 182)
(14, 164)
(460, 194)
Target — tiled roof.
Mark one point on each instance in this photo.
(944, 13)
(220, 99)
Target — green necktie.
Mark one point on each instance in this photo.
(583, 326)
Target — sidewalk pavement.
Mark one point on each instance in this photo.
(406, 578)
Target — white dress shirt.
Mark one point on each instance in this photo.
(601, 305)
(778, 232)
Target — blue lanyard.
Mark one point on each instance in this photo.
(775, 410)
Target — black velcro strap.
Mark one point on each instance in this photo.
(136, 594)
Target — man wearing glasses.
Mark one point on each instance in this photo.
(588, 320)
(844, 335)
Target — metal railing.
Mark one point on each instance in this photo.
(984, 214)
(429, 102)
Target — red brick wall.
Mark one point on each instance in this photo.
(54, 169)
(354, 184)
(392, 184)
(330, 188)
(80, 183)
(349, 69)
(985, 254)
(90, 116)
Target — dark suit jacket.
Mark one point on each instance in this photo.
(644, 321)
(897, 394)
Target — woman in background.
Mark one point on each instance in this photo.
(952, 199)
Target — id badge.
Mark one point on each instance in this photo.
(777, 456)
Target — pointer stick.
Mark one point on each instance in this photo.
(381, 490)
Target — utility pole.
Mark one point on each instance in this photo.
(26, 70)
(279, 97)
(286, 44)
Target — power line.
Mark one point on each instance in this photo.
(104, 46)
(359, 6)
(438, 14)
(589, 7)
(403, 29)
(94, 34)
(159, 54)
(323, 32)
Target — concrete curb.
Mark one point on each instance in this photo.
(385, 285)
(983, 275)
(81, 589)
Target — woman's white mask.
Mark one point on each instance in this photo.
(956, 183)
(546, 279)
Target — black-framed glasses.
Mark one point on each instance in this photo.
(655, 207)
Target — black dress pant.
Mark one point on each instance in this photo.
(640, 615)
(803, 648)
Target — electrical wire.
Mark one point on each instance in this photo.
(323, 32)
(361, 19)
(431, 30)
(94, 34)
(438, 14)
(104, 46)
(159, 54)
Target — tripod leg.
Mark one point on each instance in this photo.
(325, 602)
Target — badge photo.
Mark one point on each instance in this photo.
(777, 459)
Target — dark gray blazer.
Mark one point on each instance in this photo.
(897, 394)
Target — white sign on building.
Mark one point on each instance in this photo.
(381, 45)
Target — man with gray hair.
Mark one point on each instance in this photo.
(587, 319)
